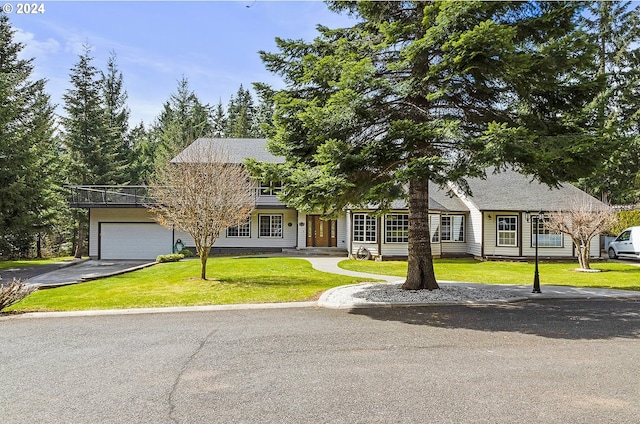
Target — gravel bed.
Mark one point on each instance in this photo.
(391, 292)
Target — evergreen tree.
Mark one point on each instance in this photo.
(429, 91)
(240, 115)
(91, 159)
(183, 119)
(29, 185)
(615, 27)
(264, 112)
(142, 155)
(116, 137)
(219, 121)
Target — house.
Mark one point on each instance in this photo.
(489, 223)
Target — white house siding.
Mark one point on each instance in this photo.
(288, 239)
(474, 232)
(122, 215)
(491, 247)
(453, 248)
(342, 232)
(302, 230)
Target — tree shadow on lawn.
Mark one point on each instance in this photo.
(555, 319)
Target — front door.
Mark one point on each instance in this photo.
(320, 232)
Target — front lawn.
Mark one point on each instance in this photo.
(615, 275)
(231, 280)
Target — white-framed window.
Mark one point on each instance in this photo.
(365, 228)
(240, 231)
(397, 228)
(507, 230)
(270, 188)
(452, 227)
(434, 228)
(546, 237)
(270, 226)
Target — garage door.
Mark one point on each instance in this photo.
(134, 240)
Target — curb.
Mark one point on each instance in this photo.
(167, 310)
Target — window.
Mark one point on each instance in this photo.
(365, 228)
(546, 238)
(397, 228)
(452, 228)
(625, 236)
(242, 230)
(270, 226)
(507, 230)
(270, 188)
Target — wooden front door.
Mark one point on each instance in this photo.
(320, 232)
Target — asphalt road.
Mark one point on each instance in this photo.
(543, 362)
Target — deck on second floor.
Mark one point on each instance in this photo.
(126, 196)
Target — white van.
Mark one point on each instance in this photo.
(626, 245)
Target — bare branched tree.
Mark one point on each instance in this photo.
(582, 221)
(14, 292)
(202, 193)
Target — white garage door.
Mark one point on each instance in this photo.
(134, 240)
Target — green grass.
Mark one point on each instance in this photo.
(31, 262)
(616, 275)
(230, 281)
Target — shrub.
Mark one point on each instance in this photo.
(625, 220)
(14, 292)
(175, 257)
(187, 253)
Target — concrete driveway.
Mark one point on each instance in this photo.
(85, 271)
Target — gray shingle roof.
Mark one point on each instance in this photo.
(239, 149)
(503, 191)
(511, 191)
(439, 200)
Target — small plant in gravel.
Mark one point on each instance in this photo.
(14, 292)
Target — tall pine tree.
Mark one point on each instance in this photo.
(615, 27)
(91, 160)
(183, 119)
(240, 114)
(116, 136)
(29, 182)
(429, 91)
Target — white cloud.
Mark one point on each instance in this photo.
(34, 47)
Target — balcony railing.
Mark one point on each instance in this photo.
(98, 196)
(91, 196)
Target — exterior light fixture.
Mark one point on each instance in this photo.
(535, 218)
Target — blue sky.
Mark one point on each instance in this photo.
(213, 44)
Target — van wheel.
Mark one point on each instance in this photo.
(612, 253)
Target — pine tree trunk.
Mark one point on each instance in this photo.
(80, 242)
(420, 274)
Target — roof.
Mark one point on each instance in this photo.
(511, 191)
(507, 190)
(238, 149)
(439, 200)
